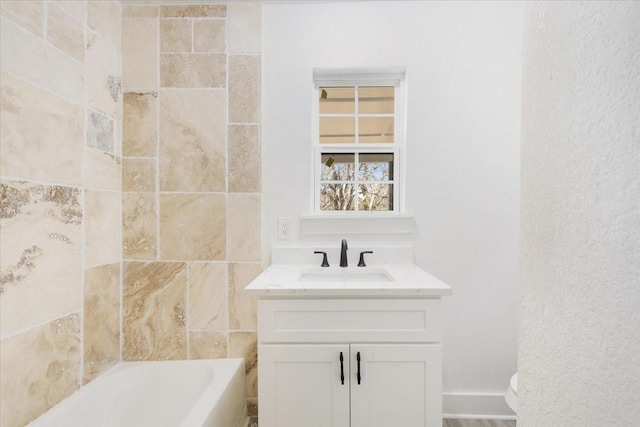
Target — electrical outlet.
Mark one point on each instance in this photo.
(284, 228)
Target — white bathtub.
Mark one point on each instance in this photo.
(190, 393)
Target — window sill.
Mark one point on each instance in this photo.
(371, 224)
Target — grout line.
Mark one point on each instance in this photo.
(84, 205)
(158, 101)
(43, 323)
(226, 225)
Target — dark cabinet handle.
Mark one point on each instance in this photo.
(361, 262)
(358, 374)
(325, 263)
(341, 369)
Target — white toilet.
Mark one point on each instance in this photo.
(511, 396)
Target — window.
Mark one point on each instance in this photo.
(358, 137)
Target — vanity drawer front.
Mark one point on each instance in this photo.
(343, 320)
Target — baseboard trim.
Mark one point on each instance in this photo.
(476, 406)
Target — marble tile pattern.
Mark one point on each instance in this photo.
(208, 296)
(139, 220)
(245, 344)
(192, 226)
(41, 246)
(140, 53)
(39, 368)
(191, 181)
(28, 14)
(100, 132)
(60, 199)
(65, 32)
(49, 152)
(103, 227)
(101, 324)
(140, 124)
(245, 159)
(104, 83)
(192, 140)
(33, 59)
(138, 174)
(209, 35)
(242, 308)
(243, 225)
(102, 171)
(207, 345)
(154, 307)
(244, 88)
(192, 70)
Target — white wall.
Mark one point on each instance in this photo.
(579, 353)
(463, 62)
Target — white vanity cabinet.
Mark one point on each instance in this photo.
(390, 374)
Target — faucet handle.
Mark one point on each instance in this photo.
(325, 263)
(361, 262)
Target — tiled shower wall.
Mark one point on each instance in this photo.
(191, 182)
(60, 172)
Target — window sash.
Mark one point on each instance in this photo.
(358, 148)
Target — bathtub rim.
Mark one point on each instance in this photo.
(224, 369)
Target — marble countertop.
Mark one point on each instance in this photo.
(406, 280)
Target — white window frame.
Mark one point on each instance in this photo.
(395, 77)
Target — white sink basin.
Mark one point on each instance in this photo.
(344, 275)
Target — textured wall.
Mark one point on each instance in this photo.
(60, 166)
(191, 181)
(579, 353)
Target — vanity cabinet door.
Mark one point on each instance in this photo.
(300, 385)
(400, 385)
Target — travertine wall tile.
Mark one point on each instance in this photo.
(194, 11)
(245, 158)
(175, 35)
(104, 17)
(244, 235)
(242, 308)
(100, 132)
(192, 140)
(192, 70)
(41, 261)
(103, 82)
(154, 311)
(39, 368)
(75, 8)
(103, 227)
(207, 345)
(65, 32)
(29, 14)
(25, 55)
(103, 171)
(244, 89)
(101, 326)
(208, 296)
(139, 124)
(140, 53)
(208, 155)
(245, 28)
(139, 226)
(192, 226)
(50, 151)
(245, 344)
(133, 11)
(209, 35)
(138, 174)
(46, 135)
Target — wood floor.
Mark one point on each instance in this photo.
(478, 423)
